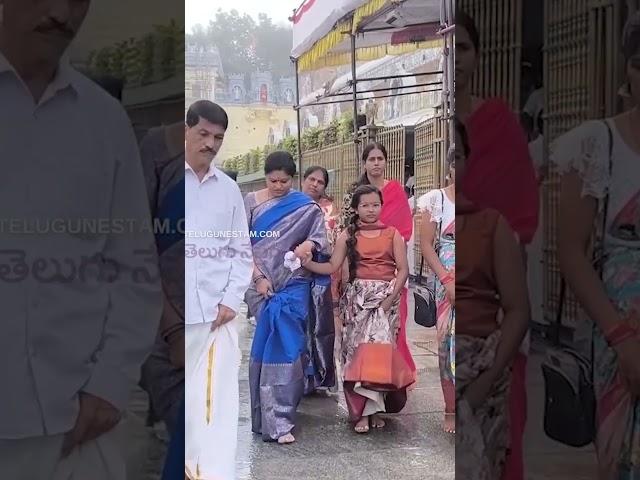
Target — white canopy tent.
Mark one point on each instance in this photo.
(322, 29)
(338, 32)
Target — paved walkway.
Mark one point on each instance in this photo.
(412, 446)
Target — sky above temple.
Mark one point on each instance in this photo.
(201, 11)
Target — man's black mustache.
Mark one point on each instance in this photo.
(207, 150)
(56, 28)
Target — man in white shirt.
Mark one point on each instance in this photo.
(79, 286)
(218, 269)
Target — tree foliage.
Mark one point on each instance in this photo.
(246, 45)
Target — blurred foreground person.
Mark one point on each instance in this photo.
(500, 175)
(490, 277)
(81, 303)
(162, 153)
(600, 185)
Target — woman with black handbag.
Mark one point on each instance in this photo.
(599, 163)
(438, 246)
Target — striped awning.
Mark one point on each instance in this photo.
(376, 38)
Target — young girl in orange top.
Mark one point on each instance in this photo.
(376, 374)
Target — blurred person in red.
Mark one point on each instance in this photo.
(500, 175)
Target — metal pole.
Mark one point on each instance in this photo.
(452, 60)
(295, 61)
(354, 83)
(401, 94)
(386, 89)
(448, 52)
(389, 77)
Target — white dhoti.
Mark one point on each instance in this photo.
(212, 363)
(38, 458)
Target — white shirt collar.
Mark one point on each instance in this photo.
(63, 78)
(213, 172)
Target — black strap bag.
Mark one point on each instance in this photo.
(424, 295)
(570, 400)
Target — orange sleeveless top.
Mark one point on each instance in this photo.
(477, 302)
(376, 256)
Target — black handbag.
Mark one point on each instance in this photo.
(570, 400)
(424, 296)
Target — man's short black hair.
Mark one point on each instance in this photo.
(212, 112)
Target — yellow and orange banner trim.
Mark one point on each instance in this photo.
(320, 55)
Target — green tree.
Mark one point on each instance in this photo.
(255, 154)
(311, 138)
(244, 166)
(329, 135)
(246, 45)
(232, 34)
(345, 127)
(290, 144)
(272, 46)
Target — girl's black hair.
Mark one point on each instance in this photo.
(317, 168)
(280, 161)
(364, 179)
(352, 229)
(464, 20)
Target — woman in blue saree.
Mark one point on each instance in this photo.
(282, 220)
